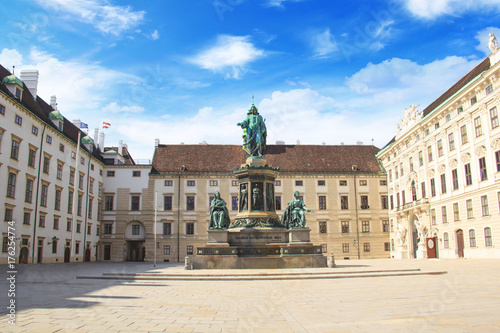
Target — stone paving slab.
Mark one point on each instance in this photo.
(51, 299)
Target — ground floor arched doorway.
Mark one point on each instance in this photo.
(87, 254)
(67, 254)
(135, 251)
(23, 255)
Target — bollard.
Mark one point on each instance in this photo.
(187, 264)
(331, 262)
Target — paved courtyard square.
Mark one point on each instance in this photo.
(49, 298)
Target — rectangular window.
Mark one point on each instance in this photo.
(429, 153)
(48, 139)
(487, 237)
(472, 238)
(365, 226)
(345, 247)
(322, 202)
(11, 185)
(8, 214)
(345, 227)
(90, 207)
(392, 202)
(468, 175)
(191, 183)
(497, 159)
(34, 130)
(463, 134)
(235, 183)
(14, 151)
(489, 89)
(167, 228)
(89, 230)
(70, 202)
(72, 177)
(80, 181)
(167, 202)
(31, 157)
(82, 161)
(169, 183)
(136, 173)
(433, 188)
(390, 176)
(484, 205)
(383, 182)
(424, 194)
(108, 228)
(26, 218)
(41, 221)
(473, 100)
(276, 183)
(384, 202)
(46, 164)
(190, 202)
(278, 202)
(214, 183)
(78, 228)
(344, 202)
(494, 117)
(189, 249)
(451, 141)
(470, 213)
(68, 226)
(61, 147)
(477, 126)
(234, 202)
(29, 191)
(443, 183)
(364, 202)
(385, 226)
(59, 171)
(342, 182)
(387, 247)
(54, 246)
(110, 173)
(190, 228)
(80, 205)
(454, 177)
(322, 227)
(446, 241)
(166, 250)
(483, 175)
(108, 202)
(410, 162)
(321, 183)
(134, 204)
(366, 247)
(299, 183)
(444, 214)
(456, 212)
(433, 216)
(19, 120)
(43, 198)
(364, 182)
(136, 229)
(440, 148)
(2, 109)
(420, 158)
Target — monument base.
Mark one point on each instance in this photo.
(401, 252)
(421, 251)
(235, 262)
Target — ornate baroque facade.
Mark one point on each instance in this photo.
(443, 169)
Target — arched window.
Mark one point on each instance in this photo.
(487, 237)
(472, 238)
(446, 241)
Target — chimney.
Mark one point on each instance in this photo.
(120, 147)
(96, 136)
(298, 142)
(77, 122)
(30, 79)
(101, 142)
(359, 143)
(157, 143)
(341, 143)
(53, 102)
(280, 142)
(323, 143)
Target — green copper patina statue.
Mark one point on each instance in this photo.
(254, 133)
(294, 214)
(219, 215)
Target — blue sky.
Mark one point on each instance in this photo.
(185, 71)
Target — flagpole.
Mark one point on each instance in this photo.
(154, 226)
(75, 194)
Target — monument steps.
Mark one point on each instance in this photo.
(261, 276)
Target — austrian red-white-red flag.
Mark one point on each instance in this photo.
(105, 124)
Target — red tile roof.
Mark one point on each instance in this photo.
(291, 159)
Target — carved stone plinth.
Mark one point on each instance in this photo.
(421, 251)
(401, 252)
(217, 237)
(300, 236)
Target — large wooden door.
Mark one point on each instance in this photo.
(23, 256)
(460, 243)
(67, 254)
(87, 254)
(107, 252)
(431, 247)
(40, 254)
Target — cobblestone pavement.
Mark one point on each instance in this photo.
(49, 298)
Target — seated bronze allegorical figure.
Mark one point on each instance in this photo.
(294, 214)
(219, 215)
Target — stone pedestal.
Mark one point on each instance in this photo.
(217, 237)
(300, 236)
(401, 252)
(421, 251)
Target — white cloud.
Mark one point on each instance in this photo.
(113, 107)
(230, 54)
(323, 43)
(431, 9)
(105, 17)
(279, 3)
(155, 35)
(9, 58)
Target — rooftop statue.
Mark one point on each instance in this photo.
(294, 214)
(219, 215)
(492, 43)
(254, 133)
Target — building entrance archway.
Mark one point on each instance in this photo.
(460, 243)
